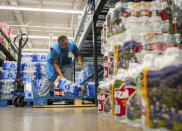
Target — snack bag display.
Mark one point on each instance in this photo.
(162, 100)
(109, 102)
(102, 96)
(125, 54)
(121, 96)
(134, 107)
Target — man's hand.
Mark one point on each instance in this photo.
(61, 77)
(80, 62)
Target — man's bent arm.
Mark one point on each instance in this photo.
(57, 68)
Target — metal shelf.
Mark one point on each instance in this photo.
(9, 56)
(9, 41)
(1, 61)
(83, 32)
(89, 43)
(7, 53)
(87, 33)
(85, 12)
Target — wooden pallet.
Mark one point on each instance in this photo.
(77, 103)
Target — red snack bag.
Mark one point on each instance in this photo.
(101, 97)
(121, 96)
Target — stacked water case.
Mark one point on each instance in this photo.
(141, 43)
(82, 78)
(32, 67)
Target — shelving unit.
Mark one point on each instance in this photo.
(9, 55)
(1, 60)
(83, 37)
(81, 27)
(90, 37)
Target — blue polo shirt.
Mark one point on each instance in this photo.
(64, 54)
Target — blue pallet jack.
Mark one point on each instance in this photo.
(81, 100)
(44, 101)
(19, 95)
(77, 100)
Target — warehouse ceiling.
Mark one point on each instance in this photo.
(44, 23)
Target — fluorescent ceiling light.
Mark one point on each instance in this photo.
(40, 10)
(43, 37)
(43, 27)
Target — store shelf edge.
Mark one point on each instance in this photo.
(99, 7)
(9, 41)
(7, 53)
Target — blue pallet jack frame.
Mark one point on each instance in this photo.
(19, 95)
(28, 101)
(44, 101)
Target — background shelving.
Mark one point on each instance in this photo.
(7, 48)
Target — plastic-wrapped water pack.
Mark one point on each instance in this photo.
(69, 87)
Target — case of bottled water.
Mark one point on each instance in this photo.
(70, 87)
(39, 58)
(32, 71)
(11, 65)
(6, 89)
(85, 73)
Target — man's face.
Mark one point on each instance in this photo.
(64, 44)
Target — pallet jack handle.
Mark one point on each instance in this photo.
(23, 39)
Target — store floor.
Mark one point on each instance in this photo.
(57, 119)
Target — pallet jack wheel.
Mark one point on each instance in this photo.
(20, 101)
(14, 101)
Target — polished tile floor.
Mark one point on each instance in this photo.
(57, 119)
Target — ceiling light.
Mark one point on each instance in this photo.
(3, 2)
(43, 27)
(43, 37)
(41, 10)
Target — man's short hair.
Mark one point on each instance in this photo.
(62, 38)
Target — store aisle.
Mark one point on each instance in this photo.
(57, 119)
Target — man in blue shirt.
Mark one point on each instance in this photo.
(59, 63)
